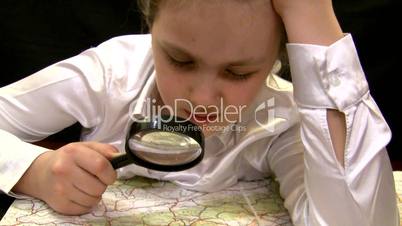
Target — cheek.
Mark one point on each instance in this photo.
(166, 81)
(244, 92)
(166, 88)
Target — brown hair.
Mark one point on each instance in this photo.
(150, 9)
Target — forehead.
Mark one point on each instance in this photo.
(227, 27)
(224, 13)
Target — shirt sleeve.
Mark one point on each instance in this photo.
(317, 189)
(45, 103)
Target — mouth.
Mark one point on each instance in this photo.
(201, 118)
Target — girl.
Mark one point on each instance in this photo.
(323, 139)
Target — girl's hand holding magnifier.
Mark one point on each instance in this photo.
(72, 178)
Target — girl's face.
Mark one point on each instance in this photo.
(212, 57)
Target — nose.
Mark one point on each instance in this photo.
(205, 91)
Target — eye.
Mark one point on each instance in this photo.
(183, 64)
(238, 76)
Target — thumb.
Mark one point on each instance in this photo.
(107, 150)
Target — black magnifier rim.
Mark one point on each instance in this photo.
(160, 123)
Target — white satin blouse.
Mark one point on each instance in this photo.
(102, 86)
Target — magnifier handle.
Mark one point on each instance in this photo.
(120, 161)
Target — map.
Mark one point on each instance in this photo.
(398, 188)
(143, 201)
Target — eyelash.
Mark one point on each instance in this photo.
(188, 65)
(237, 77)
(180, 64)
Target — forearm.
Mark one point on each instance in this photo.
(317, 24)
(361, 192)
(347, 174)
(313, 22)
(16, 157)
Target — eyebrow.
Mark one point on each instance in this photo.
(172, 47)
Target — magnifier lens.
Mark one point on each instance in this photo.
(164, 148)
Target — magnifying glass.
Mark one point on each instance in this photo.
(165, 143)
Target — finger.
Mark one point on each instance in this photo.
(83, 199)
(68, 207)
(96, 164)
(107, 150)
(88, 183)
(76, 209)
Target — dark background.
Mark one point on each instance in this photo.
(35, 34)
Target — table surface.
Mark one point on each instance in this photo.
(142, 201)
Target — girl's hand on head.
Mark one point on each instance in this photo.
(71, 179)
(309, 21)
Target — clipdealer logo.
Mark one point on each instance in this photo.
(264, 114)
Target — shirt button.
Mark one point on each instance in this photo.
(334, 78)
